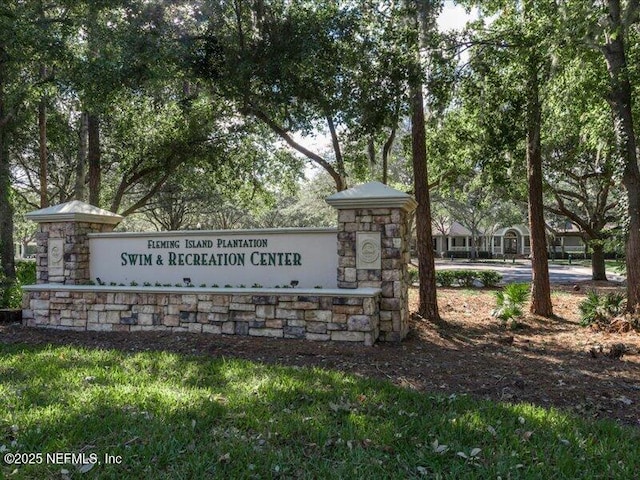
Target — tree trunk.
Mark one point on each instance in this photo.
(428, 306)
(631, 183)
(371, 154)
(598, 266)
(423, 16)
(621, 101)
(42, 128)
(93, 158)
(7, 253)
(540, 287)
(81, 166)
(474, 244)
(386, 150)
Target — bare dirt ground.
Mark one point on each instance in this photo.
(547, 362)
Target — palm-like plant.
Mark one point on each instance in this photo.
(510, 301)
(600, 308)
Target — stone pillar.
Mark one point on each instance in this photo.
(63, 242)
(373, 249)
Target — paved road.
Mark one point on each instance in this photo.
(521, 272)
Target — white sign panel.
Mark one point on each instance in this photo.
(263, 258)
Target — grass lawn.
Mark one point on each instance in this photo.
(177, 417)
(611, 265)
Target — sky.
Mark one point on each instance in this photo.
(452, 17)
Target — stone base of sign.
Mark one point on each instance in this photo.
(320, 315)
(373, 249)
(73, 267)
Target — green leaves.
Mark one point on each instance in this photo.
(510, 301)
(600, 309)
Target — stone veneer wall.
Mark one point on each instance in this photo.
(76, 250)
(306, 315)
(393, 278)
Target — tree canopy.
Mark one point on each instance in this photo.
(197, 112)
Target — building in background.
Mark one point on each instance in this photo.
(512, 241)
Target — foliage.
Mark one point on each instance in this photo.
(467, 278)
(489, 278)
(26, 272)
(445, 278)
(414, 275)
(11, 291)
(601, 309)
(510, 76)
(305, 206)
(173, 416)
(510, 301)
(307, 67)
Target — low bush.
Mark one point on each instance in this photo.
(444, 278)
(600, 309)
(467, 278)
(489, 278)
(510, 301)
(26, 272)
(10, 293)
(10, 290)
(414, 275)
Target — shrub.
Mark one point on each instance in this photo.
(444, 278)
(26, 272)
(414, 275)
(600, 309)
(464, 278)
(11, 291)
(467, 278)
(510, 300)
(489, 278)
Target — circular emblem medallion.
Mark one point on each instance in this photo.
(56, 254)
(369, 251)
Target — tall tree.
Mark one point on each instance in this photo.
(309, 66)
(579, 153)
(540, 285)
(21, 43)
(582, 189)
(614, 48)
(422, 18)
(610, 28)
(510, 73)
(42, 121)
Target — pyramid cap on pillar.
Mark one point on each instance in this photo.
(74, 211)
(372, 195)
